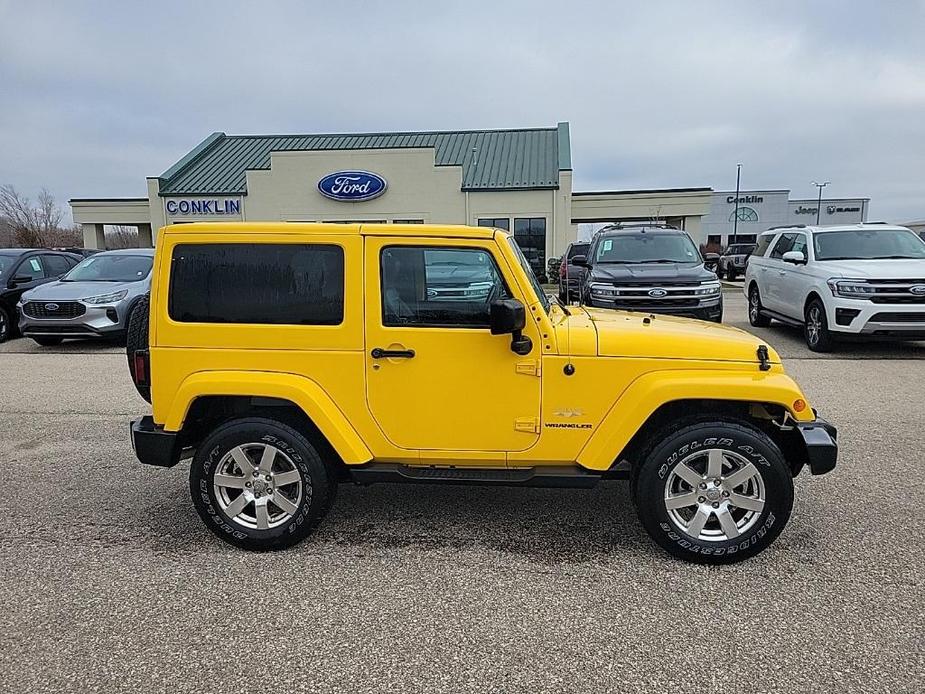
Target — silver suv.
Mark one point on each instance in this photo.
(94, 300)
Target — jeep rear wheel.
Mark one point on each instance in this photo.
(714, 492)
(260, 484)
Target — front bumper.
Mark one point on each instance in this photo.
(153, 445)
(97, 321)
(868, 319)
(821, 441)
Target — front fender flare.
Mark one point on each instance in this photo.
(656, 388)
(301, 391)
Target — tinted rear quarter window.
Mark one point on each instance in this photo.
(763, 242)
(277, 284)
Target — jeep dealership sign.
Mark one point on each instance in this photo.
(352, 186)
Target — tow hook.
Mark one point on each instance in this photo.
(763, 358)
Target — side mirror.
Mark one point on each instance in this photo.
(711, 257)
(795, 257)
(579, 260)
(20, 279)
(510, 316)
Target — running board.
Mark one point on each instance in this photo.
(565, 476)
(780, 318)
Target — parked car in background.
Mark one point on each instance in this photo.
(656, 269)
(91, 301)
(859, 280)
(82, 252)
(22, 269)
(733, 260)
(569, 273)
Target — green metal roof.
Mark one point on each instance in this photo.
(490, 159)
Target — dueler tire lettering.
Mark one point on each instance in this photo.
(671, 447)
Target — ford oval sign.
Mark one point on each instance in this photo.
(658, 293)
(352, 186)
(918, 289)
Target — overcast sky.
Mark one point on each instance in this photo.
(96, 96)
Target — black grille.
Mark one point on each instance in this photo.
(898, 318)
(54, 309)
(911, 299)
(623, 302)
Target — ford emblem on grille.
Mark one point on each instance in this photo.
(657, 293)
(918, 289)
(51, 307)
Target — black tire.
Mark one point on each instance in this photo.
(739, 444)
(6, 325)
(816, 327)
(319, 485)
(755, 316)
(730, 274)
(136, 338)
(48, 341)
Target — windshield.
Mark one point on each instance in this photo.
(872, 244)
(6, 262)
(646, 248)
(111, 268)
(537, 288)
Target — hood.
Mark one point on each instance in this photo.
(896, 269)
(626, 334)
(72, 291)
(651, 272)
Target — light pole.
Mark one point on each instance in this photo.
(820, 186)
(735, 217)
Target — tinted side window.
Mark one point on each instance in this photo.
(784, 244)
(763, 242)
(438, 287)
(56, 265)
(31, 267)
(578, 249)
(799, 244)
(280, 284)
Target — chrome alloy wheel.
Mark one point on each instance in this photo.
(258, 486)
(813, 324)
(714, 495)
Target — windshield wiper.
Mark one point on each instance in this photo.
(642, 262)
(896, 257)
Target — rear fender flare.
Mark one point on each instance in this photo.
(301, 391)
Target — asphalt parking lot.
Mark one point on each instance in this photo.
(111, 583)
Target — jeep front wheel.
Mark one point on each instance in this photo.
(714, 492)
(260, 484)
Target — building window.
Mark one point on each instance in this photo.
(276, 284)
(438, 287)
(496, 222)
(713, 240)
(530, 234)
(746, 214)
(407, 221)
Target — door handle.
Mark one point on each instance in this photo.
(782, 273)
(379, 353)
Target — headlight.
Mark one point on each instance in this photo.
(708, 288)
(603, 290)
(479, 289)
(851, 289)
(106, 298)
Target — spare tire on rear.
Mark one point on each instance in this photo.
(136, 339)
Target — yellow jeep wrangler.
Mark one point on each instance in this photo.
(287, 358)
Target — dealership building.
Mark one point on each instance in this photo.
(519, 179)
(754, 211)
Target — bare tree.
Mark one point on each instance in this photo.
(121, 237)
(33, 225)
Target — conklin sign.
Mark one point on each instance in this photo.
(199, 207)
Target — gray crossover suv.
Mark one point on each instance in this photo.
(93, 300)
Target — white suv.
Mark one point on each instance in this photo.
(864, 280)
